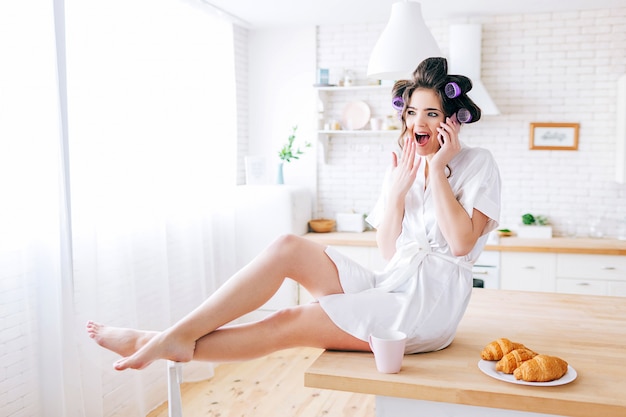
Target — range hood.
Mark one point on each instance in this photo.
(465, 59)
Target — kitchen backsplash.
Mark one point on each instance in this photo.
(550, 67)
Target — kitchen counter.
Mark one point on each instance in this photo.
(344, 238)
(561, 245)
(587, 331)
(504, 244)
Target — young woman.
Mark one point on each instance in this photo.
(440, 198)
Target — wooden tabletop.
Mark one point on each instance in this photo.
(504, 244)
(589, 332)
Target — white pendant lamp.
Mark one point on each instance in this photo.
(405, 42)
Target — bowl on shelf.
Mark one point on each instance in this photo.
(322, 225)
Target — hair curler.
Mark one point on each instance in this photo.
(463, 115)
(452, 90)
(397, 103)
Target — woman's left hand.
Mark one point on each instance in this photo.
(448, 138)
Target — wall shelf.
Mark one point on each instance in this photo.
(359, 132)
(325, 93)
(352, 87)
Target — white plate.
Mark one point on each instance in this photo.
(355, 115)
(489, 368)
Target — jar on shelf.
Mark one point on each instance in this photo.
(348, 78)
(391, 122)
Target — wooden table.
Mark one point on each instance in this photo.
(587, 331)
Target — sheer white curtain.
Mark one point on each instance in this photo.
(149, 147)
(32, 230)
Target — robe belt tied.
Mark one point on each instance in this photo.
(411, 255)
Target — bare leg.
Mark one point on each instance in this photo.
(295, 257)
(305, 325)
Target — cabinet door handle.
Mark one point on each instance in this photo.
(608, 268)
(583, 284)
(529, 267)
(480, 272)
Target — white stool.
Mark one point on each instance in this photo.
(174, 379)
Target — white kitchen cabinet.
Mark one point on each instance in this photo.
(591, 274)
(528, 271)
(602, 267)
(487, 269)
(564, 273)
(581, 286)
(617, 288)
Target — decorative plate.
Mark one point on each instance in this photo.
(489, 368)
(355, 115)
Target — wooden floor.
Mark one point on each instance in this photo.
(272, 386)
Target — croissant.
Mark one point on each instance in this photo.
(514, 359)
(541, 368)
(495, 350)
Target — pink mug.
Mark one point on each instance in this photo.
(388, 347)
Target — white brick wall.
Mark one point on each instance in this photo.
(18, 370)
(549, 67)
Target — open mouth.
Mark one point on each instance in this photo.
(421, 139)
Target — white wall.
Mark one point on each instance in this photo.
(550, 67)
(281, 75)
(242, 65)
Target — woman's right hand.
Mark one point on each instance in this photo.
(403, 174)
(404, 171)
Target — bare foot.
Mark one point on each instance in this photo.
(120, 340)
(160, 346)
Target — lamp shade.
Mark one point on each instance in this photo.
(404, 43)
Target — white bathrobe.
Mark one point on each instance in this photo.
(424, 290)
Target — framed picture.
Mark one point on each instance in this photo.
(555, 136)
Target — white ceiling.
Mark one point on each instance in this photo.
(267, 13)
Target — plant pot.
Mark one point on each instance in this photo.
(280, 179)
(534, 232)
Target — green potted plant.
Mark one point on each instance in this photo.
(287, 153)
(534, 227)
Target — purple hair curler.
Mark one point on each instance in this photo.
(452, 90)
(464, 115)
(397, 103)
